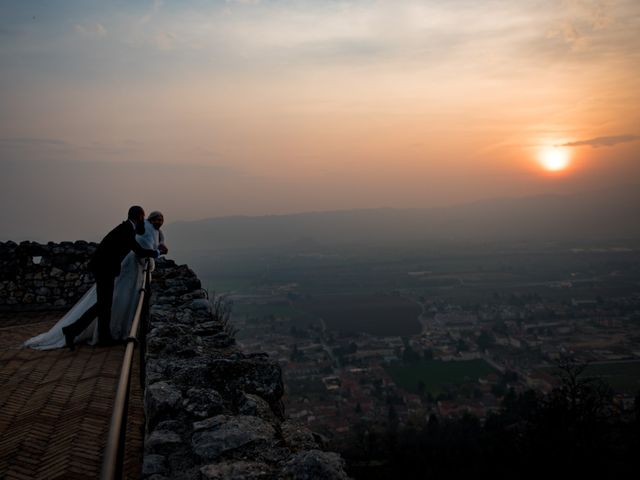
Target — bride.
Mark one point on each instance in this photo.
(125, 298)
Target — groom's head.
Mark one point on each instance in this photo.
(136, 215)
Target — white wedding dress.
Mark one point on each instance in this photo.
(125, 299)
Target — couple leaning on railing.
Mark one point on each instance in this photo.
(104, 314)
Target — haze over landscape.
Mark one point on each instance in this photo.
(209, 109)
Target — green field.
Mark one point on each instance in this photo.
(383, 315)
(436, 374)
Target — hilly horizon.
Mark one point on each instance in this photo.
(589, 216)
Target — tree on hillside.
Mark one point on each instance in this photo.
(485, 340)
(409, 355)
(572, 430)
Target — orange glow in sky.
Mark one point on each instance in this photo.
(554, 159)
(267, 107)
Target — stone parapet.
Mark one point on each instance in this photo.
(35, 276)
(212, 411)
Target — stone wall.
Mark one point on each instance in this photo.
(36, 276)
(212, 411)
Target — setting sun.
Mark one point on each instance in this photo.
(554, 159)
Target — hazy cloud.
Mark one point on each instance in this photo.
(570, 33)
(49, 148)
(31, 142)
(79, 199)
(603, 141)
(598, 13)
(125, 147)
(582, 20)
(95, 30)
(157, 5)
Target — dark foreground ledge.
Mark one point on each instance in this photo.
(213, 412)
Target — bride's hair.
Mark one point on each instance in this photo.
(155, 214)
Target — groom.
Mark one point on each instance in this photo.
(105, 266)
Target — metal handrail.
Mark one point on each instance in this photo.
(113, 456)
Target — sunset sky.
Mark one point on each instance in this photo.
(210, 108)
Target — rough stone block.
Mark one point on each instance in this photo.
(160, 401)
(297, 437)
(162, 442)
(240, 470)
(28, 298)
(251, 404)
(315, 465)
(154, 464)
(43, 291)
(223, 433)
(200, 304)
(56, 272)
(203, 402)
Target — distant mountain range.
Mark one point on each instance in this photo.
(598, 215)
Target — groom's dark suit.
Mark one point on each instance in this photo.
(105, 266)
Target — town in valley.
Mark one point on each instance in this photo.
(381, 335)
